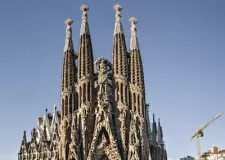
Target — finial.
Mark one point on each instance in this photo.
(84, 25)
(46, 110)
(133, 22)
(55, 107)
(134, 41)
(118, 25)
(68, 21)
(84, 8)
(117, 8)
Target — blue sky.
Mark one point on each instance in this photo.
(183, 51)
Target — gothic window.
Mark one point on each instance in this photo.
(80, 95)
(89, 92)
(84, 93)
(63, 107)
(143, 106)
(70, 105)
(126, 95)
(138, 106)
(117, 90)
(75, 101)
(66, 106)
(121, 92)
(130, 100)
(134, 100)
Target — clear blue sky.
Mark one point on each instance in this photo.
(183, 50)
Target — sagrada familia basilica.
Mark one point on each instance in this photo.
(104, 115)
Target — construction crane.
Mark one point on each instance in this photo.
(199, 133)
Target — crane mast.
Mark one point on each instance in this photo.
(199, 133)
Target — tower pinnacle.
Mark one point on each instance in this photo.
(68, 42)
(84, 26)
(118, 24)
(133, 41)
(68, 21)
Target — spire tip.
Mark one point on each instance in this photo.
(55, 107)
(133, 20)
(118, 24)
(84, 7)
(68, 21)
(117, 7)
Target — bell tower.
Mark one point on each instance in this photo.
(120, 72)
(138, 138)
(68, 91)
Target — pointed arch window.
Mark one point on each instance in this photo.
(121, 92)
(63, 107)
(66, 106)
(70, 104)
(84, 93)
(138, 105)
(89, 92)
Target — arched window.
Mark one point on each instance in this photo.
(121, 92)
(134, 102)
(75, 101)
(117, 90)
(126, 96)
(63, 107)
(143, 106)
(89, 92)
(84, 93)
(66, 106)
(138, 105)
(80, 95)
(70, 104)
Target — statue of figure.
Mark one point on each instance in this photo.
(102, 78)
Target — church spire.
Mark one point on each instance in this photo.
(137, 88)
(24, 145)
(68, 91)
(160, 134)
(154, 130)
(120, 72)
(85, 82)
(120, 61)
(136, 72)
(24, 137)
(85, 60)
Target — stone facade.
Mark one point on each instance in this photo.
(104, 115)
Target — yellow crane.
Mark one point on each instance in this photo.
(199, 133)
